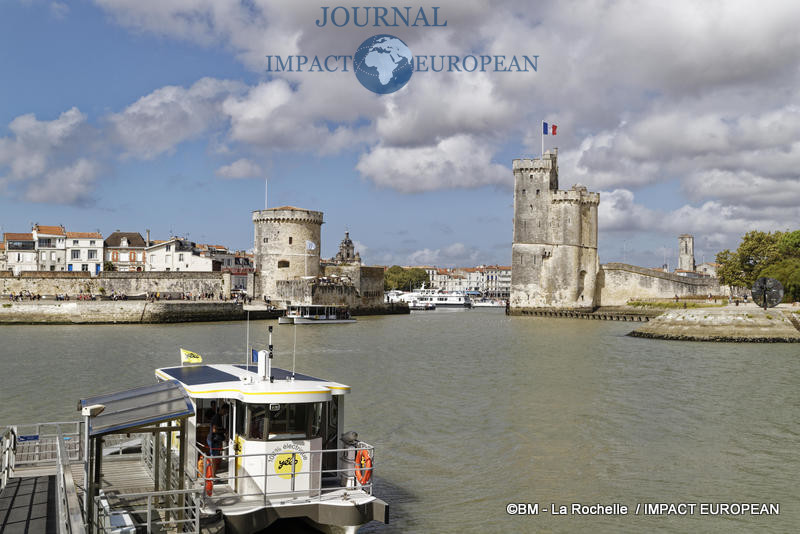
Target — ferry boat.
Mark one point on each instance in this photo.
(439, 297)
(285, 454)
(418, 305)
(309, 314)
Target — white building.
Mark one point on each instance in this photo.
(178, 255)
(3, 257)
(84, 252)
(20, 252)
(50, 247)
(497, 281)
(708, 269)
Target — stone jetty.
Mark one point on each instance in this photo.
(730, 323)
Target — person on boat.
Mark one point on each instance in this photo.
(216, 435)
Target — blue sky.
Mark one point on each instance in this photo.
(140, 114)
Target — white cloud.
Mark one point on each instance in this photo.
(455, 162)
(70, 185)
(159, 121)
(241, 168)
(457, 254)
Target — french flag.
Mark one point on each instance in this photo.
(548, 129)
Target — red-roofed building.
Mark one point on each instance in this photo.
(50, 247)
(20, 252)
(84, 252)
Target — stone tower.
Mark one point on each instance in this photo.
(287, 243)
(554, 260)
(686, 252)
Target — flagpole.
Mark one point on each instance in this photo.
(542, 132)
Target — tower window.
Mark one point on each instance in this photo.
(266, 240)
(537, 191)
(283, 264)
(290, 240)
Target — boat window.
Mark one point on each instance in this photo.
(284, 421)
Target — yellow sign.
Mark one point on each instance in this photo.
(283, 464)
(188, 356)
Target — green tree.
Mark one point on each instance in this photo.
(109, 266)
(787, 272)
(397, 277)
(756, 251)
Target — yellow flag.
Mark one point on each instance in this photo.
(188, 356)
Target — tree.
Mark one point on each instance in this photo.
(109, 266)
(787, 272)
(397, 277)
(756, 251)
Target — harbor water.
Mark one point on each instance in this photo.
(471, 411)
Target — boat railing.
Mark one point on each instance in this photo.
(330, 480)
(154, 511)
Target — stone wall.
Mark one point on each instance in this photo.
(617, 283)
(367, 280)
(129, 283)
(123, 311)
(337, 292)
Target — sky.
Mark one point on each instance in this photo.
(142, 114)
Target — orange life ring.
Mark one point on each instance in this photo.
(363, 466)
(209, 477)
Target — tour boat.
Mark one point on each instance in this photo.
(439, 298)
(285, 454)
(312, 314)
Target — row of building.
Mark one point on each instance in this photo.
(491, 281)
(52, 248)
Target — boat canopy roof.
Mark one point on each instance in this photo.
(242, 382)
(143, 406)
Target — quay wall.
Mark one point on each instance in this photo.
(618, 283)
(129, 283)
(338, 293)
(121, 311)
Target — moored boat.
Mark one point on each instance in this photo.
(316, 314)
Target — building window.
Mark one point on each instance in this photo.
(74, 242)
(75, 255)
(92, 254)
(84, 267)
(169, 247)
(91, 243)
(283, 264)
(290, 240)
(52, 267)
(52, 256)
(44, 256)
(180, 256)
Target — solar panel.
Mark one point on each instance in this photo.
(195, 375)
(278, 373)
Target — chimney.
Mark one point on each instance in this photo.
(147, 243)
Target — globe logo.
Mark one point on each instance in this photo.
(383, 64)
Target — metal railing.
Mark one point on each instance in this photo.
(170, 510)
(8, 447)
(70, 519)
(37, 443)
(318, 483)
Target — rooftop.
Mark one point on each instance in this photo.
(135, 239)
(49, 230)
(84, 235)
(18, 237)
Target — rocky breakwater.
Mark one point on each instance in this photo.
(731, 323)
(121, 311)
